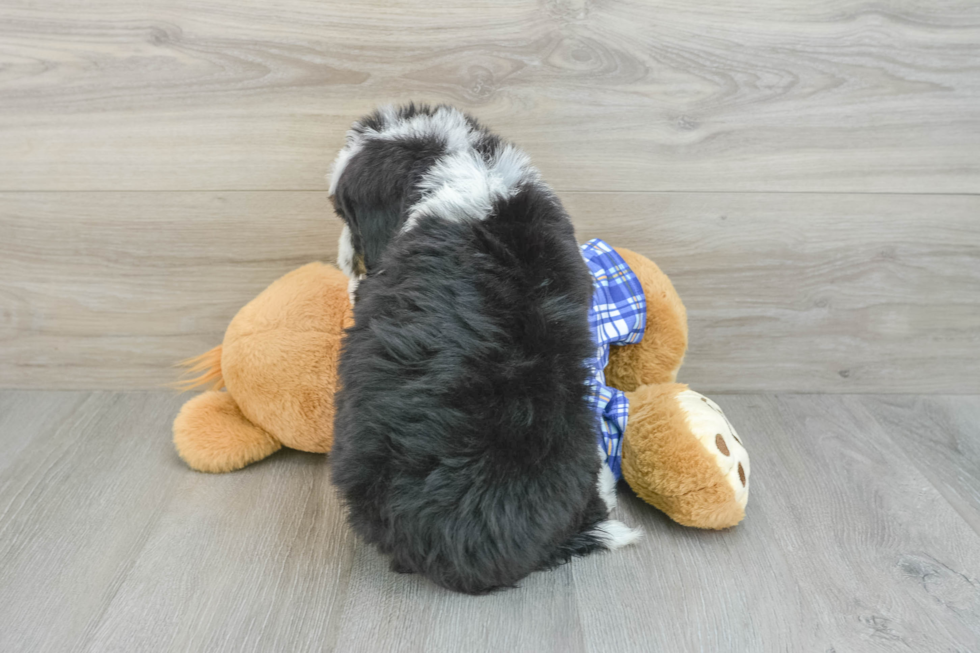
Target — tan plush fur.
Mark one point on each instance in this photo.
(663, 461)
(657, 357)
(212, 435)
(278, 365)
(666, 465)
(208, 368)
(278, 362)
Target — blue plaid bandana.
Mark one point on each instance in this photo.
(617, 316)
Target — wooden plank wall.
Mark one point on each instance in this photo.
(807, 172)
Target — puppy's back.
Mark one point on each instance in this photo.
(465, 448)
(464, 445)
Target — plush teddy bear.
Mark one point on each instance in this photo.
(278, 367)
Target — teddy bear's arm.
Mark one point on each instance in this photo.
(658, 356)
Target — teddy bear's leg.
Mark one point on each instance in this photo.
(657, 357)
(212, 435)
(682, 455)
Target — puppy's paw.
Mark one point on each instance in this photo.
(615, 534)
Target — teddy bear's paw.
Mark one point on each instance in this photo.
(716, 434)
(212, 435)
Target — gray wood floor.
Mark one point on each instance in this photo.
(862, 534)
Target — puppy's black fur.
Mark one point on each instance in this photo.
(463, 444)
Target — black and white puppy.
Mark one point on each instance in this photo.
(464, 447)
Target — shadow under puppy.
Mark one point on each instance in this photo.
(464, 447)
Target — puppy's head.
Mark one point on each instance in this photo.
(375, 177)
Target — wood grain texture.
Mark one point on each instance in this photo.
(540, 616)
(845, 547)
(111, 289)
(850, 95)
(811, 293)
(256, 561)
(110, 543)
(941, 436)
(78, 499)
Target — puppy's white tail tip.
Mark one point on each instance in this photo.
(615, 534)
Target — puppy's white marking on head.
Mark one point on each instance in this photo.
(445, 123)
(460, 185)
(615, 534)
(457, 187)
(464, 186)
(606, 482)
(514, 168)
(388, 114)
